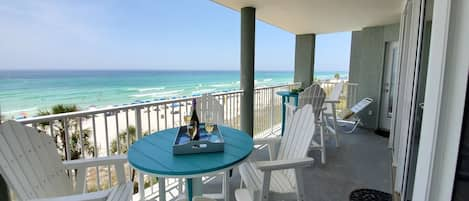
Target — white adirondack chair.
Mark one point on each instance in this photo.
(32, 168)
(281, 178)
(315, 96)
(330, 111)
(207, 106)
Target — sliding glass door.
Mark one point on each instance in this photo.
(418, 94)
(415, 43)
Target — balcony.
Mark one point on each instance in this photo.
(94, 133)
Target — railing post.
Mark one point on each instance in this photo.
(67, 140)
(272, 103)
(138, 130)
(347, 95)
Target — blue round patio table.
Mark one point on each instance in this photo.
(153, 155)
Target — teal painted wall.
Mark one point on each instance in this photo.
(367, 66)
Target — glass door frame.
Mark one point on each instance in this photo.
(402, 123)
(444, 103)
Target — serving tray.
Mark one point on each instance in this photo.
(207, 143)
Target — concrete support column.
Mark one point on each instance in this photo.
(304, 58)
(248, 30)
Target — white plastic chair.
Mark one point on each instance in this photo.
(32, 168)
(280, 178)
(315, 96)
(330, 111)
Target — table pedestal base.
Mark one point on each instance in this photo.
(193, 187)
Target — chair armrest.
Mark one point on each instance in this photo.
(92, 162)
(331, 101)
(81, 165)
(99, 195)
(284, 164)
(267, 140)
(291, 106)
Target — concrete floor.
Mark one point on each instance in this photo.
(362, 161)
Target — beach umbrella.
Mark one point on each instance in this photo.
(24, 114)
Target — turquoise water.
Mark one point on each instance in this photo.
(30, 91)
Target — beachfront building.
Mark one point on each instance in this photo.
(408, 56)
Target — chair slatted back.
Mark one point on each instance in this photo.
(299, 132)
(335, 94)
(361, 105)
(315, 96)
(289, 111)
(208, 105)
(30, 164)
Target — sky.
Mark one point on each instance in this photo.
(146, 34)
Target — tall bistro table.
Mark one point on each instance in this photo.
(286, 95)
(153, 155)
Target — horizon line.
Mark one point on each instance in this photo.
(201, 70)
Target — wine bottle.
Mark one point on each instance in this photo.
(195, 120)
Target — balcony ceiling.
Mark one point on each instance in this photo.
(321, 16)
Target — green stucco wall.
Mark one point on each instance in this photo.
(367, 65)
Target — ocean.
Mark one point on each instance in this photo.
(27, 92)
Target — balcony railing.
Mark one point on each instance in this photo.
(110, 131)
(348, 96)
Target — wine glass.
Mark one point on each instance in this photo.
(209, 125)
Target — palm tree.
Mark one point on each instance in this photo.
(131, 132)
(122, 140)
(337, 76)
(72, 126)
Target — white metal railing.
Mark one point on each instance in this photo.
(268, 104)
(348, 96)
(110, 131)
